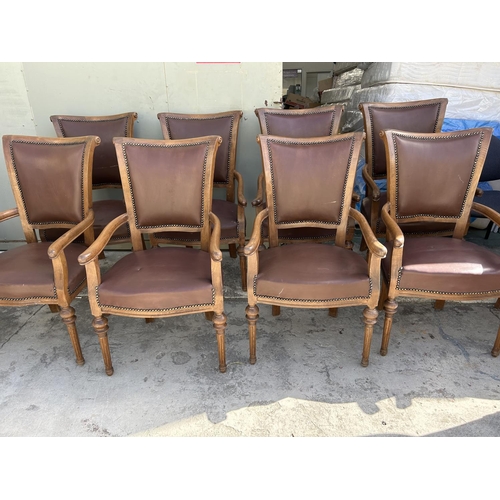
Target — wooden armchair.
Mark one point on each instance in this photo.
(161, 281)
(320, 121)
(425, 116)
(231, 210)
(51, 182)
(433, 178)
(311, 275)
(105, 172)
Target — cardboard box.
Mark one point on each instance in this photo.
(299, 102)
(325, 84)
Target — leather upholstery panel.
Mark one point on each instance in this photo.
(309, 180)
(434, 175)
(163, 197)
(448, 265)
(411, 119)
(158, 278)
(27, 271)
(105, 165)
(312, 271)
(288, 125)
(183, 128)
(51, 180)
(299, 233)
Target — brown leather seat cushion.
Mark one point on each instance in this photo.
(104, 212)
(408, 228)
(27, 271)
(447, 265)
(158, 279)
(312, 271)
(226, 211)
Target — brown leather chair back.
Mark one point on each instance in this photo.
(424, 116)
(433, 177)
(105, 172)
(50, 178)
(295, 168)
(313, 122)
(169, 184)
(185, 126)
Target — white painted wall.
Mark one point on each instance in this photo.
(31, 92)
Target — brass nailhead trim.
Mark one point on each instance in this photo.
(167, 146)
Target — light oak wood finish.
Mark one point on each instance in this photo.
(311, 275)
(440, 191)
(51, 183)
(161, 282)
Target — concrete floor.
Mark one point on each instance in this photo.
(438, 379)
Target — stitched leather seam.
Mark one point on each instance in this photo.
(178, 308)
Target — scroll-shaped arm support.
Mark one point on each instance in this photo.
(9, 214)
(69, 236)
(102, 240)
(241, 190)
(58, 257)
(90, 259)
(253, 244)
(373, 191)
(487, 212)
(259, 199)
(374, 246)
(215, 252)
(394, 232)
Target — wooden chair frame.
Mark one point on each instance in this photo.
(209, 242)
(376, 250)
(63, 296)
(391, 288)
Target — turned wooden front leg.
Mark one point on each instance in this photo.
(252, 313)
(370, 318)
(101, 328)
(219, 321)
(68, 316)
(390, 307)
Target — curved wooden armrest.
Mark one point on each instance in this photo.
(253, 245)
(102, 240)
(487, 212)
(215, 252)
(260, 191)
(374, 246)
(241, 196)
(392, 227)
(9, 214)
(375, 190)
(479, 192)
(69, 236)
